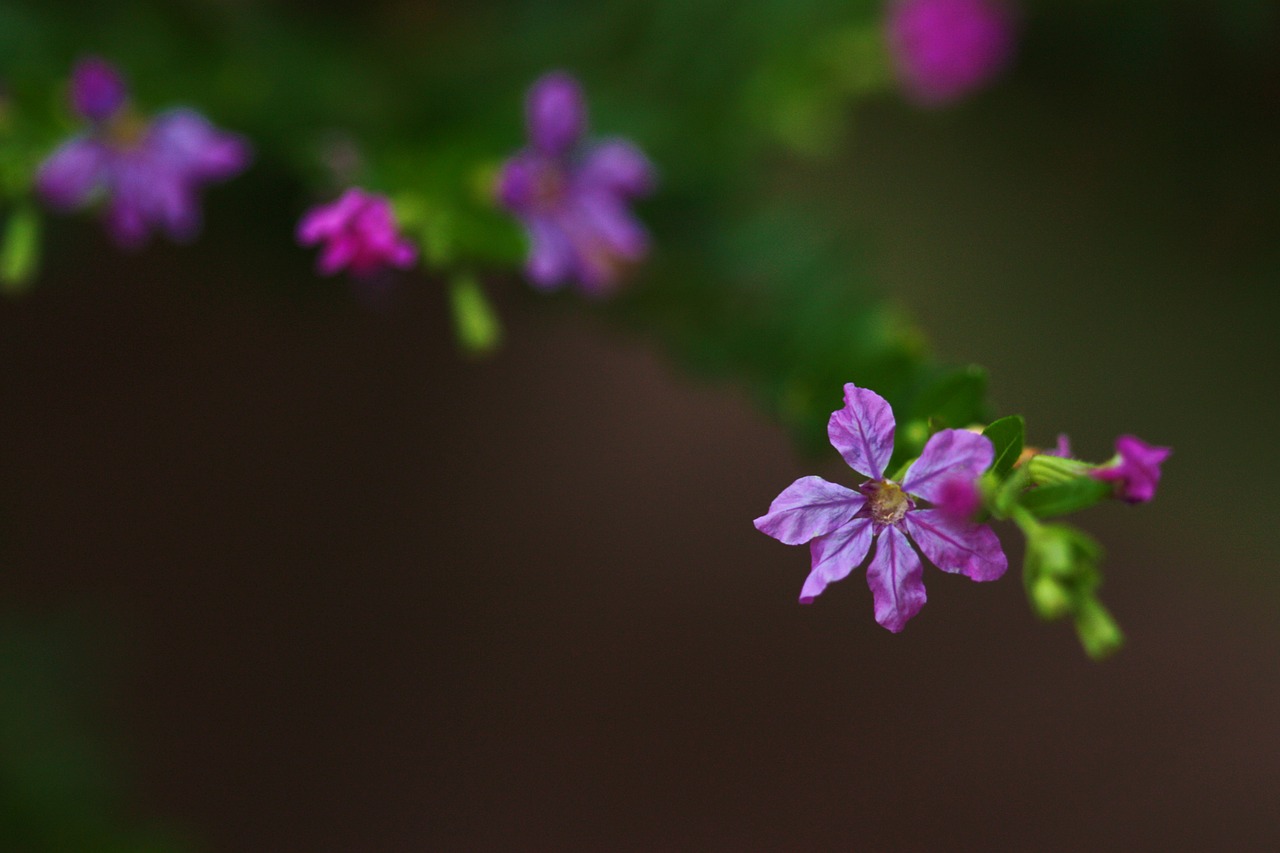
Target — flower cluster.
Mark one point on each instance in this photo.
(573, 197)
(149, 174)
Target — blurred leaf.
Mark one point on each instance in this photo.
(20, 252)
(955, 400)
(474, 319)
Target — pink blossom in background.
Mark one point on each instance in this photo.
(943, 50)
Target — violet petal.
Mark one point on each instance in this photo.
(950, 453)
(863, 431)
(551, 256)
(809, 507)
(896, 578)
(555, 113)
(619, 166)
(610, 219)
(187, 142)
(70, 175)
(835, 555)
(97, 90)
(963, 547)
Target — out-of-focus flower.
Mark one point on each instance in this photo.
(359, 234)
(149, 174)
(945, 49)
(1137, 471)
(572, 197)
(841, 524)
(959, 498)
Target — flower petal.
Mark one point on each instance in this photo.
(517, 188)
(72, 173)
(896, 580)
(551, 256)
(835, 555)
(949, 454)
(185, 141)
(97, 90)
(327, 220)
(555, 113)
(606, 218)
(807, 508)
(956, 546)
(863, 431)
(619, 166)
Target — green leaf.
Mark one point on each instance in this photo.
(1007, 435)
(956, 399)
(477, 326)
(1077, 494)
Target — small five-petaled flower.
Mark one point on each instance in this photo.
(841, 524)
(572, 197)
(149, 174)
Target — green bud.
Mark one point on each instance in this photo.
(474, 320)
(1099, 633)
(20, 252)
(1046, 470)
(1050, 598)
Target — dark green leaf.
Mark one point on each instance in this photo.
(956, 399)
(1007, 435)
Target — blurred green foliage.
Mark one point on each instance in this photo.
(59, 779)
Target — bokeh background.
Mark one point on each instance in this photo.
(284, 570)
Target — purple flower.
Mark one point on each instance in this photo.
(1137, 472)
(149, 175)
(573, 197)
(359, 232)
(944, 49)
(841, 524)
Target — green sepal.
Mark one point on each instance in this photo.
(1007, 436)
(20, 251)
(1045, 469)
(475, 322)
(1064, 498)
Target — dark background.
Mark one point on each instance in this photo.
(345, 589)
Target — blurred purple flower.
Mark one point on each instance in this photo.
(1063, 448)
(572, 197)
(841, 524)
(945, 49)
(959, 498)
(1137, 472)
(149, 174)
(359, 232)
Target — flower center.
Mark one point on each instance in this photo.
(886, 501)
(549, 187)
(125, 130)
